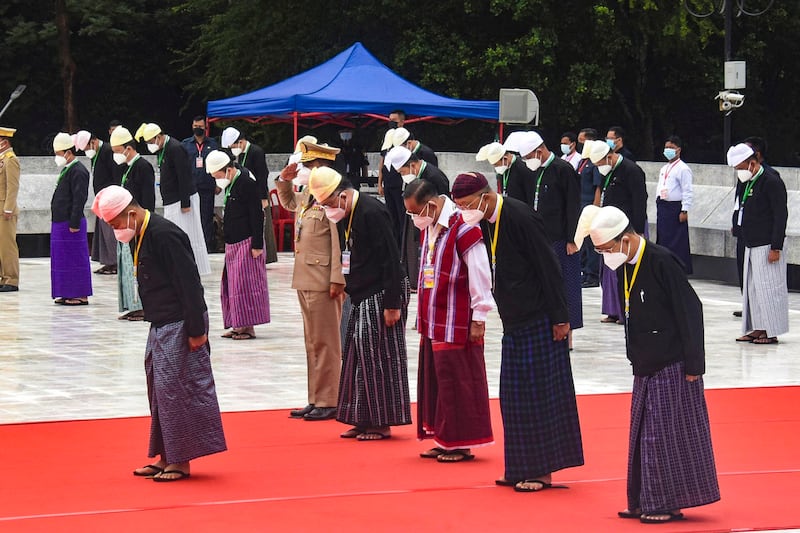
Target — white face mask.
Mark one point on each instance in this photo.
(302, 176)
(153, 147)
(119, 158)
(90, 153)
(236, 151)
(222, 183)
(126, 235)
(565, 149)
(408, 178)
(604, 169)
(744, 175)
(60, 160)
(501, 169)
(614, 260)
(422, 221)
(534, 163)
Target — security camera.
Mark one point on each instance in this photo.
(729, 100)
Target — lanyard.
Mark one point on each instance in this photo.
(539, 181)
(629, 286)
(496, 231)
(199, 148)
(748, 190)
(229, 188)
(64, 171)
(669, 169)
(350, 222)
(130, 166)
(163, 151)
(139, 244)
(94, 159)
(506, 174)
(246, 151)
(608, 179)
(582, 164)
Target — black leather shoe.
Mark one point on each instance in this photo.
(8, 288)
(321, 413)
(300, 413)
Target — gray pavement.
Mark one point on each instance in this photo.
(71, 363)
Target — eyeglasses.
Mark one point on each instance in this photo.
(468, 206)
(609, 249)
(427, 206)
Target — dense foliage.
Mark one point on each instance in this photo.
(647, 65)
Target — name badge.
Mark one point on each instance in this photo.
(664, 194)
(427, 277)
(346, 262)
(198, 162)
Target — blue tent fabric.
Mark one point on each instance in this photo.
(353, 82)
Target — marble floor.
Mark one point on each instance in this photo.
(69, 363)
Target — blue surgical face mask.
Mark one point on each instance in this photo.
(612, 143)
(565, 149)
(670, 153)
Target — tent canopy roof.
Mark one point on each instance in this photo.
(352, 82)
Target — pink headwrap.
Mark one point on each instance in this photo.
(111, 201)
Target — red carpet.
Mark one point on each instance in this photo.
(291, 475)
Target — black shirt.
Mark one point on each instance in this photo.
(665, 325)
(590, 181)
(374, 260)
(527, 282)
(139, 179)
(516, 181)
(243, 214)
(169, 285)
(105, 171)
(69, 198)
(391, 177)
(176, 180)
(255, 160)
(626, 190)
(426, 154)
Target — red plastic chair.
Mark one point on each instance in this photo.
(281, 220)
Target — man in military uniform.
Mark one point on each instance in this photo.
(9, 187)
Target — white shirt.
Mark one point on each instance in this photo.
(675, 184)
(573, 159)
(479, 274)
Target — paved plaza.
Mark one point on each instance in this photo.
(70, 363)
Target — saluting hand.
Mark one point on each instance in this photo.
(195, 343)
(391, 317)
(289, 172)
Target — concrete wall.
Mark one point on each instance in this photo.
(709, 219)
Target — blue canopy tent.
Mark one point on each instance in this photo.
(353, 83)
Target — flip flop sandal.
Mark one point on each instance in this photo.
(629, 514)
(455, 457)
(181, 475)
(765, 340)
(747, 338)
(244, 336)
(155, 470)
(609, 320)
(520, 487)
(649, 518)
(373, 435)
(352, 433)
(228, 334)
(135, 318)
(59, 301)
(433, 453)
(505, 483)
(74, 302)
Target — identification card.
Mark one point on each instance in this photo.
(664, 194)
(427, 277)
(346, 262)
(198, 162)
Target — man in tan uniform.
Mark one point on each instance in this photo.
(9, 187)
(318, 279)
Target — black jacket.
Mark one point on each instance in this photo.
(176, 179)
(765, 211)
(243, 214)
(140, 179)
(255, 160)
(624, 188)
(665, 325)
(169, 284)
(105, 171)
(70, 195)
(437, 178)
